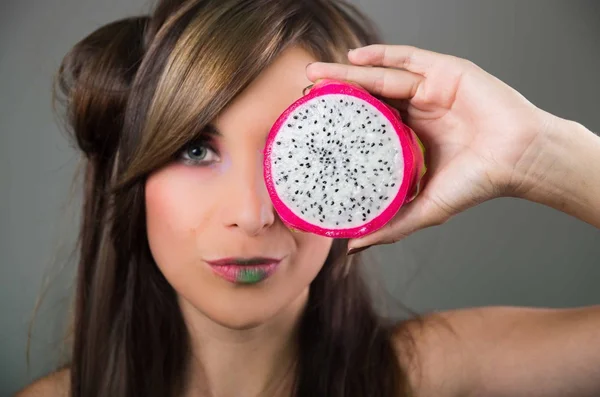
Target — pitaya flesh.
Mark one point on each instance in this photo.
(341, 163)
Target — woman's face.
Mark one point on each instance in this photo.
(213, 205)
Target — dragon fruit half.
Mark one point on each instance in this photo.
(340, 163)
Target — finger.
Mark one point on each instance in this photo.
(417, 215)
(413, 59)
(390, 83)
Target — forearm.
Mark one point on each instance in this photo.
(564, 171)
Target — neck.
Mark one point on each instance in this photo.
(256, 361)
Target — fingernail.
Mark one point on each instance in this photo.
(309, 65)
(353, 251)
(308, 88)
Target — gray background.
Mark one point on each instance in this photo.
(504, 252)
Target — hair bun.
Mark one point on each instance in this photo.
(93, 83)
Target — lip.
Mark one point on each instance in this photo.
(257, 260)
(244, 270)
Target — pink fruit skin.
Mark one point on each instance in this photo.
(412, 152)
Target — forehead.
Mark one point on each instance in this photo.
(277, 87)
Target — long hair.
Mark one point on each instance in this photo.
(134, 92)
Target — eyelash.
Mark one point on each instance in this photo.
(199, 143)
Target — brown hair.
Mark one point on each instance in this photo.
(134, 93)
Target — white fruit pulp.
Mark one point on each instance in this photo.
(337, 162)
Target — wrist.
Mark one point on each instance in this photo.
(563, 169)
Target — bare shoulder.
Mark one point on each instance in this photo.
(441, 352)
(53, 385)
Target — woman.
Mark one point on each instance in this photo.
(171, 111)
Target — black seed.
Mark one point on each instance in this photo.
(279, 143)
(289, 125)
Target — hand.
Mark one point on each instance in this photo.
(478, 132)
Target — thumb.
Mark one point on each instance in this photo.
(418, 214)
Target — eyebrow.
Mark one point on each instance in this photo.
(211, 129)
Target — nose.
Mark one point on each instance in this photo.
(249, 207)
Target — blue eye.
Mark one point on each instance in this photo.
(198, 153)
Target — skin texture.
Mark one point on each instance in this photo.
(220, 210)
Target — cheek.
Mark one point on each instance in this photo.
(176, 210)
(312, 252)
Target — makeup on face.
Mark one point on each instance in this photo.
(244, 270)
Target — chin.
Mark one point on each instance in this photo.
(248, 311)
(239, 322)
